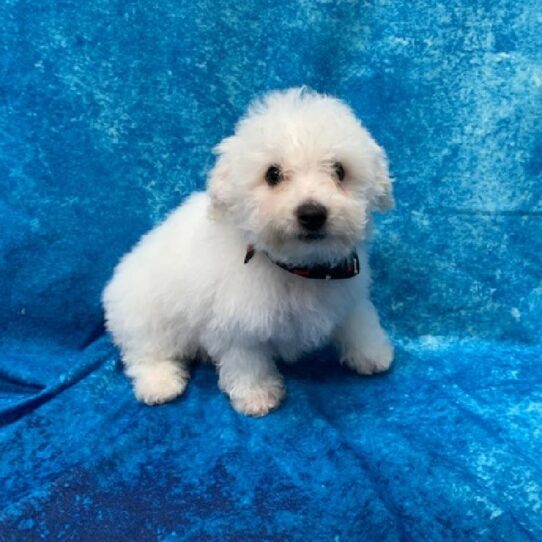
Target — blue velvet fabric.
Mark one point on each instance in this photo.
(109, 113)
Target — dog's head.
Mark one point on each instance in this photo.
(300, 177)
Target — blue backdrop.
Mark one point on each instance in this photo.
(109, 110)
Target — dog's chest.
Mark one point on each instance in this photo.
(290, 313)
(311, 313)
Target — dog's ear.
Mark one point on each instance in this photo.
(384, 200)
(218, 184)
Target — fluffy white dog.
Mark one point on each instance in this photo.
(232, 274)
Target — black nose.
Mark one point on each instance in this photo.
(311, 215)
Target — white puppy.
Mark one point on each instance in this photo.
(232, 274)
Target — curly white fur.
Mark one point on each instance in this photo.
(184, 288)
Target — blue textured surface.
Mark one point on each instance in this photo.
(109, 111)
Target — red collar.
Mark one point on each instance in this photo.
(346, 269)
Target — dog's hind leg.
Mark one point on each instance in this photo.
(364, 345)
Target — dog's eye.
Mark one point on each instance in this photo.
(338, 168)
(273, 175)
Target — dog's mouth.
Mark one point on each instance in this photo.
(311, 236)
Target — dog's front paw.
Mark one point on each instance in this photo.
(159, 382)
(259, 399)
(372, 359)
